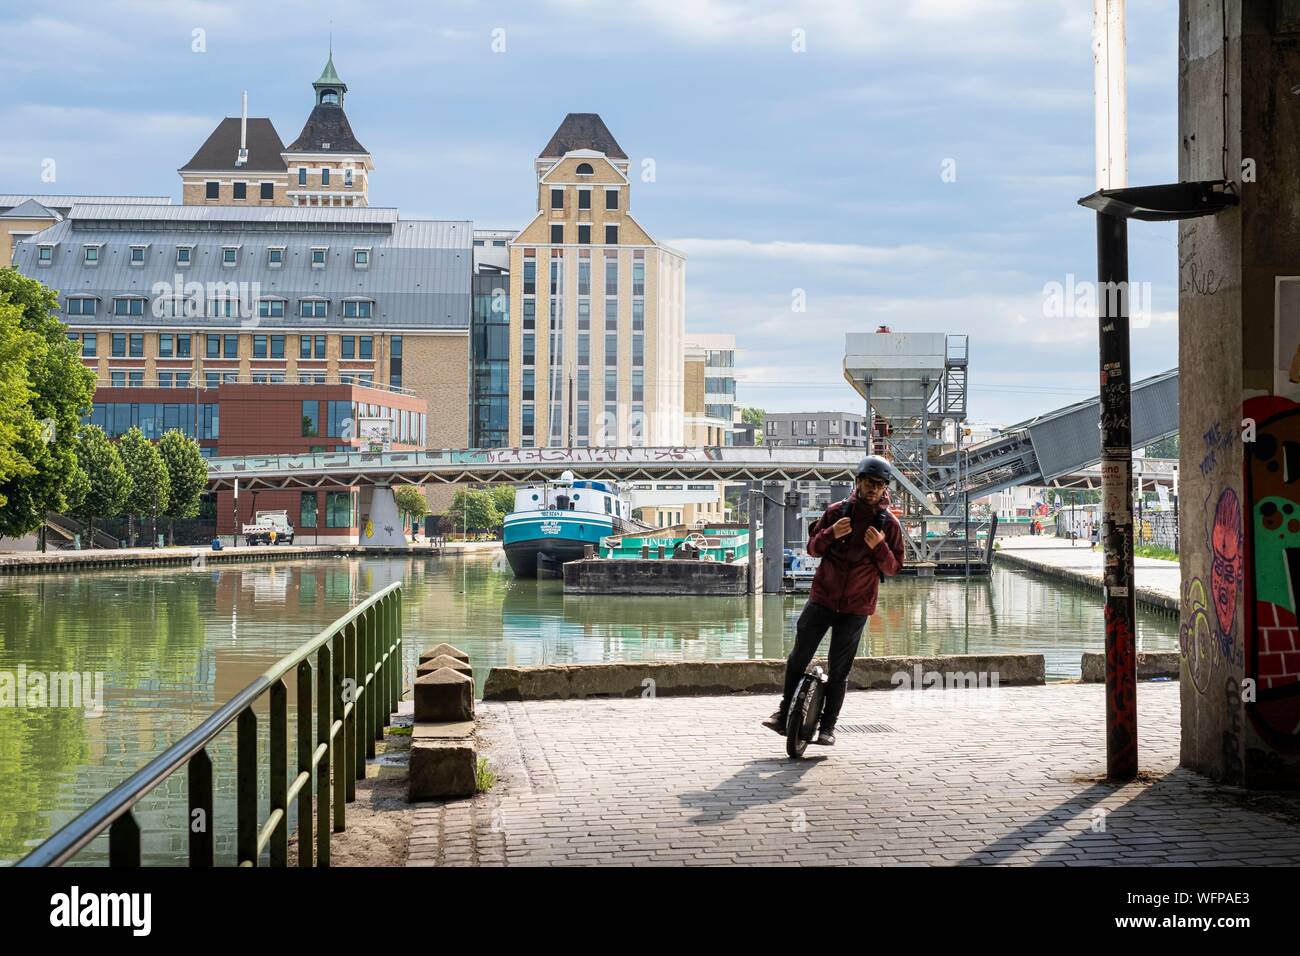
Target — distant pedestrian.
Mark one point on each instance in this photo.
(1094, 534)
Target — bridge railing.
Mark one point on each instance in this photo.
(358, 682)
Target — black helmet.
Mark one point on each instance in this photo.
(873, 466)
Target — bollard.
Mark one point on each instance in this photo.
(588, 552)
(661, 552)
(645, 552)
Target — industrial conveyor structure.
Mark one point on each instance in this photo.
(915, 388)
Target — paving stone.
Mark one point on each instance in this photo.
(697, 781)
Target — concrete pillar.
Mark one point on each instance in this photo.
(793, 526)
(1238, 393)
(751, 563)
(773, 536)
(840, 490)
(383, 527)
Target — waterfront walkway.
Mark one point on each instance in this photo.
(938, 778)
(1158, 582)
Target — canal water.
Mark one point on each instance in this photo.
(173, 643)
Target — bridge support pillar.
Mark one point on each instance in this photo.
(793, 527)
(383, 527)
(773, 536)
(1239, 401)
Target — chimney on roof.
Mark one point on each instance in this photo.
(243, 133)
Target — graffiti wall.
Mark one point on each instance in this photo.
(1271, 578)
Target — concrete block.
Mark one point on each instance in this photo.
(1150, 664)
(441, 649)
(455, 730)
(445, 695)
(441, 661)
(701, 678)
(442, 768)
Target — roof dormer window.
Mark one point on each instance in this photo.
(137, 255)
(318, 256)
(230, 256)
(361, 257)
(184, 255)
(45, 254)
(275, 257)
(90, 254)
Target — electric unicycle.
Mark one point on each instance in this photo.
(805, 711)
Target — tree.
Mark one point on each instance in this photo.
(59, 391)
(503, 496)
(1164, 448)
(473, 510)
(187, 474)
(411, 502)
(107, 483)
(18, 426)
(753, 416)
(150, 484)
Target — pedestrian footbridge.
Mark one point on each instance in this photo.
(519, 465)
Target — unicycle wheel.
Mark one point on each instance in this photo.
(805, 712)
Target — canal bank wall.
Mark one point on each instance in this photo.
(1158, 582)
(32, 562)
(713, 678)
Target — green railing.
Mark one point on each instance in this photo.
(358, 670)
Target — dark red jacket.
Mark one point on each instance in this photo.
(849, 574)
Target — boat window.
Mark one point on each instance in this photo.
(562, 502)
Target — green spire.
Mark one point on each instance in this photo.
(329, 81)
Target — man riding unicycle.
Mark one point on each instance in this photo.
(859, 541)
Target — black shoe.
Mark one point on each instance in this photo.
(776, 722)
(825, 738)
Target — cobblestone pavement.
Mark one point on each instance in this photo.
(1005, 776)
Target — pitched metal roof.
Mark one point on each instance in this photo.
(103, 215)
(61, 204)
(418, 274)
(220, 150)
(582, 131)
(327, 130)
(31, 209)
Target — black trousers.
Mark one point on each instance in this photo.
(846, 635)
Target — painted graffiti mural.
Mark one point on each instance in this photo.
(1196, 637)
(1226, 573)
(1272, 639)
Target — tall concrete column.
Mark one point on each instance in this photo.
(793, 526)
(1239, 385)
(840, 490)
(773, 536)
(752, 574)
(383, 526)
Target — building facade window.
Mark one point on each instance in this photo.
(611, 235)
(557, 233)
(395, 361)
(557, 197)
(310, 419)
(584, 198)
(611, 198)
(338, 509)
(307, 510)
(584, 234)
(212, 189)
(268, 191)
(240, 191)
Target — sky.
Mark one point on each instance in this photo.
(826, 165)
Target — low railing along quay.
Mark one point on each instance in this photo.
(361, 653)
